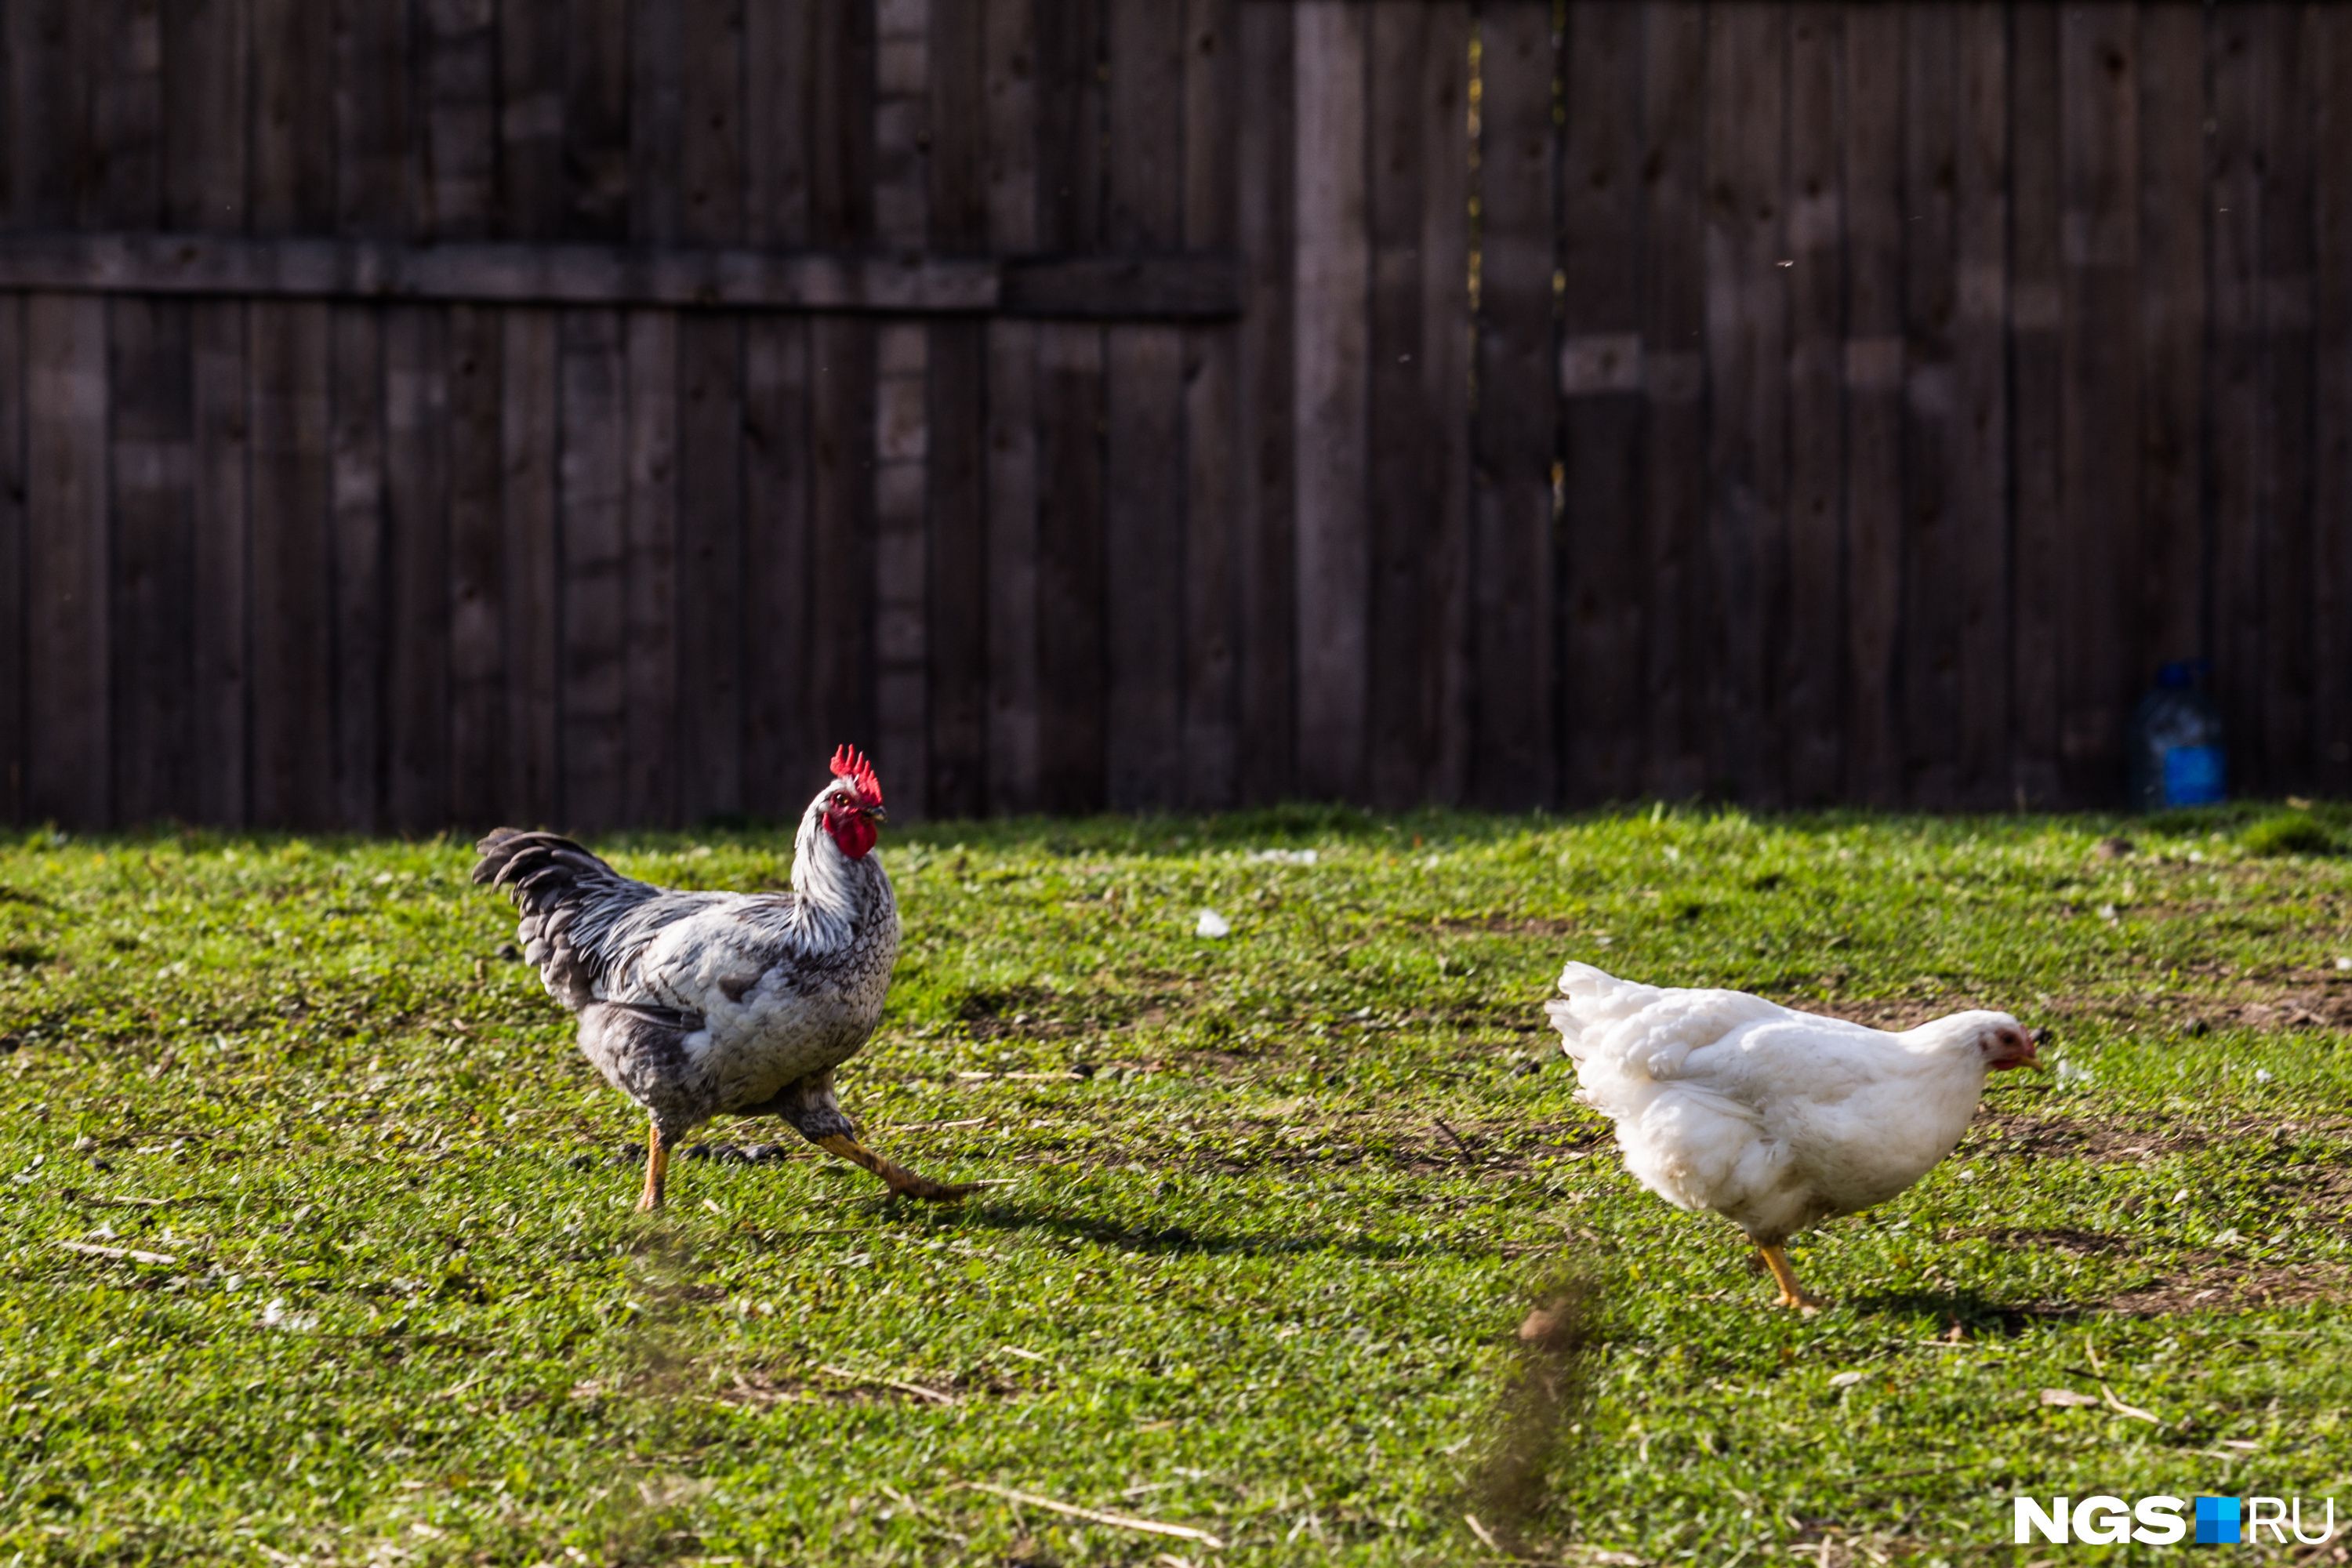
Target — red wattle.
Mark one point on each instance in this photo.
(852, 832)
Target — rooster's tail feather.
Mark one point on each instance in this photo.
(569, 899)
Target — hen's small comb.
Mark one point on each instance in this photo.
(859, 773)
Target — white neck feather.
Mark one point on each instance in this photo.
(825, 882)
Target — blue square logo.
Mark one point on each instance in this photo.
(2217, 1521)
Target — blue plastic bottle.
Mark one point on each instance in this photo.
(2176, 744)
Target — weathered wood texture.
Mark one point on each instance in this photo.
(421, 415)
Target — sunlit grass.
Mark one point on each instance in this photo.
(1274, 1204)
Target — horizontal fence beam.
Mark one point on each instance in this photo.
(1171, 287)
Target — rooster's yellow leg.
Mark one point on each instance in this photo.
(902, 1179)
(1791, 1293)
(657, 1168)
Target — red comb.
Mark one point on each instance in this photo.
(859, 773)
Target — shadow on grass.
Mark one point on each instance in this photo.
(1183, 1239)
(1976, 1316)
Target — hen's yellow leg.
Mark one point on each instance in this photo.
(657, 1168)
(902, 1179)
(1791, 1293)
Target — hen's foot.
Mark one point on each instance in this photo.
(903, 1182)
(1791, 1293)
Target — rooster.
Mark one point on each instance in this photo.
(697, 1004)
(1774, 1118)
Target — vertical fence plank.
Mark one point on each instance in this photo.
(902, 56)
(782, 748)
(1601, 452)
(1980, 431)
(356, 554)
(2171, 568)
(480, 790)
(532, 45)
(528, 507)
(1674, 322)
(219, 574)
(2037, 525)
(592, 497)
(1264, 510)
(148, 604)
(901, 642)
(711, 565)
(15, 646)
(955, 500)
(841, 354)
(1514, 763)
(1211, 741)
(151, 460)
(1813, 654)
(2286, 311)
(126, 114)
(777, 72)
(293, 120)
(1071, 416)
(651, 790)
(781, 751)
(1443, 358)
(368, 40)
(1070, 565)
(416, 567)
(955, 559)
(457, 72)
(68, 721)
(207, 57)
(1747, 351)
(1400, 502)
(1931, 545)
(48, 148)
(1011, 97)
(2235, 385)
(1873, 376)
(1332, 261)
(2330, 49)
(2098, 66)
(293, 694)
(596, 154)
(1144, 552)
(841, 615)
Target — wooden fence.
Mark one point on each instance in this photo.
(432, 412)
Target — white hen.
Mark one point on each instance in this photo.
(1774, 1118)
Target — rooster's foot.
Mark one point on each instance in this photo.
(903, 1182)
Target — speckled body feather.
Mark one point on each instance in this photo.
(699, 1003)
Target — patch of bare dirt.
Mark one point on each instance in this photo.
(1509, 925)
(2214, 1283)
(1997, 1132)
(2073, 1242)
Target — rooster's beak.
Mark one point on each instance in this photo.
(875, 814)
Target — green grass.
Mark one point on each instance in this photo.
(1257, 1273)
